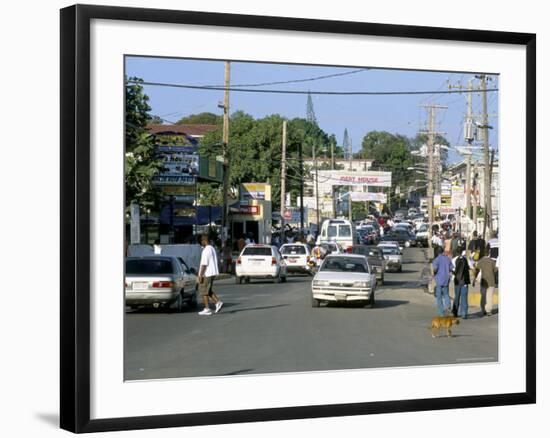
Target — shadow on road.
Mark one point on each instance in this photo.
(402, 284)
(379, 304)
(252, 308)
(235, 373)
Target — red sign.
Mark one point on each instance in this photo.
(249, 209)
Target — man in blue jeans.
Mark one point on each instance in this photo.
(442, 273)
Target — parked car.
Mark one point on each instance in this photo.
(376, 260)
(159, 281)
(260, 261)
(393, 256)
(343, 278)
(297, 257)
(404, 237)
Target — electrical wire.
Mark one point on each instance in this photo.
(295, 80)
(331, 93)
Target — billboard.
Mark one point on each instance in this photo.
(255, 191)
(369, 196)
(347, 178)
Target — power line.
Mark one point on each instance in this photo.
(295, 80)
(332, 93)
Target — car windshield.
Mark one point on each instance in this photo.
(257, 251)
(332, 231)
(388, 250)
(149, 266)
(344, 264)
(423, 227)
(293, 249)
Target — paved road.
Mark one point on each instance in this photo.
(266, 328)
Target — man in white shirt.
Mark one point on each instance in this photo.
(207, 272)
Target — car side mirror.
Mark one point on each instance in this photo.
(193, 271)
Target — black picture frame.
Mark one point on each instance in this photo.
(75, 217)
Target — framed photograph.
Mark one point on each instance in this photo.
(272, 218)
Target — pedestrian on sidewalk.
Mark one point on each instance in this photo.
(442, 267)
(207, 272)
(488, 269)
(461, 282)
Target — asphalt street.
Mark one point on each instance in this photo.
(265, 327)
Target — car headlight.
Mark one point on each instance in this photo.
(361, 284)
(320, 283)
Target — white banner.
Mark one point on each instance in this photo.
(369, 196)
(347, 178)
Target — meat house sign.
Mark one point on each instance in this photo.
(346, 178)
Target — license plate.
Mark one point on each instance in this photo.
(292, 260)
(340, 297)
(256, 262)
(140, 285)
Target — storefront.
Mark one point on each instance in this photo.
(251, 216)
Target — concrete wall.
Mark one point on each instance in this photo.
(191, 254)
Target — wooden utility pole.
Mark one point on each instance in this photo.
(301, 163)
(486, 162)
(316, 186)
(350, 211)
(430, 191)
(225, 152)
(283, 178)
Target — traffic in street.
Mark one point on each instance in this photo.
(267, 327)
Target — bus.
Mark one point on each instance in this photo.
(341, 231)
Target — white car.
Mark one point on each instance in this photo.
(260, 261)
(394, 258)
(343, 278)
(297, 257)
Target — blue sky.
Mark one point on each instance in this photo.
(359, 114)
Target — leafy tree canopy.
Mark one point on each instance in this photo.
(205, 118)
(140, 163)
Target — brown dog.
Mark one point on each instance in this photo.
(439, 322)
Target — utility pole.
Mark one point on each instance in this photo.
(469, 136)
(430, 191)
(301, 163)
(316, 186)
(486, 163)
(350, 211)
(283, 178)
(225, 152)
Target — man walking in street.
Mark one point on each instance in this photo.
(207, 272)
(442, 267)
(461, 281)
(488, 269)
(476, 247)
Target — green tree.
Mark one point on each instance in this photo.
(141, 163)
(255, 147)
(390, 152)
(209, 194)
(421, 139)
(205, 118)
(155, 120)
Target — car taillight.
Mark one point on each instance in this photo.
(162, 284)
(239, 261)
(349, 249)
(273, 261)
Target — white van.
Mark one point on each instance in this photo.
(341, 231)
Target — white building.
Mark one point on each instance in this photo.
(457, 173)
